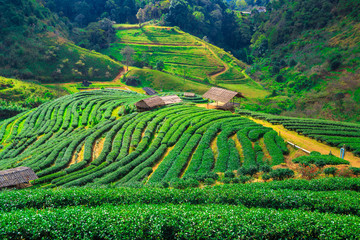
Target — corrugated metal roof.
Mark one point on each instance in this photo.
(171, 99)
(151, 102)
(15, 176)
(149, 91)
(189, 94)
(221, 95)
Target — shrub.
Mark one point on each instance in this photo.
(209, 181)
(355, 171)
(160, 65)
(309, 171)
(244, 179)
(251, 170)
(281, 173)
(320, 163)
(330, 171)
(345, 172)
(335, 61)
(280, 78)
(292, 63)
(266, 177)
(183, 184)
(235, 180)
(226, 180)
(229, 174)
(265, 168)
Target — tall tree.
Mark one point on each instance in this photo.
(140, 16)
(127, 54)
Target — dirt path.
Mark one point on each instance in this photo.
(308, 143)
(226, 67)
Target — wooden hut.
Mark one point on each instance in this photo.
(16, 177)
(171, 99)
(150, 103)
(149, 91)
(224, 98)
(189, 94)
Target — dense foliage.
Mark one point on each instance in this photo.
(34, 45)
(59, 138)
(175, 222)
(334, 133)
(333, 195)
(18, 96)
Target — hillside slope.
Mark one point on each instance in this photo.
(17, 96)
(307, 52)
(34, 45)
(94, 137)
(184, 56)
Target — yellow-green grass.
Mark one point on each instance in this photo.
(179, 51)
(156, 35)
(197, 61)
(125, 26)
(75, 87)
(13, 90)
(65, 62)
(249, 90)
(167, 82)
(184, 55)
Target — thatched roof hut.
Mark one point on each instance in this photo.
(149, 91)
(156, 101)
(16, 176)
(150, 103)
(221, 95)
(189, 94)
(171, 99)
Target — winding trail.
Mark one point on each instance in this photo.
(213, 76)
(224, 70)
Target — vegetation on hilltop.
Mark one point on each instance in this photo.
(320, 209)
(34, 45)
(306, 53)
(188, 63)
(59, 138)
(18, 96)
(98, 138)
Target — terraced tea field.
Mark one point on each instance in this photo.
(329, 134)
(184, 56)
(96, 138)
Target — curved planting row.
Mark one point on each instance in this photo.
(84, 139)
(331, 132)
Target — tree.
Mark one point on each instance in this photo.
(160, 65)
(183, 72)
(140, 16)
(127, 54)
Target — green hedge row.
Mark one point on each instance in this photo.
(279, 196)
(175, 222)
(275, 151)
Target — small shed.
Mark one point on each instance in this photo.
(15, 177)
(189, 94)
(150, 103)
(86, 83)
(149, 91)
(171, 99)
(224, 98)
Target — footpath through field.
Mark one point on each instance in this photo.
(308, 143)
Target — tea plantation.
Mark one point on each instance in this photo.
(88, 148)
(184, 56)
(98, 138)
(332, 133)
